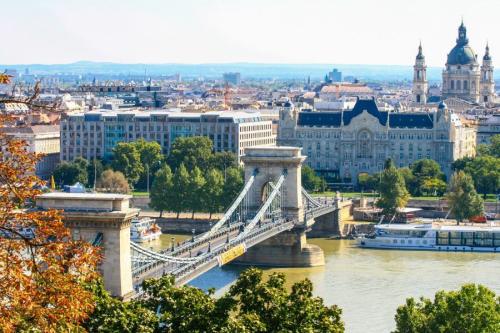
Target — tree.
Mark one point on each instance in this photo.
(495, 146)
(223, 160)
(181, 186)
(68, 173)
(127, 160)
(485, 171)
(113, 182)
(427, 172)
(195, 189)
(162, 194)
(112, 315)
(42, 274)
(393, 193)
(151, 158)
(212, 191)
(191, 151)
(472, 309)
(311, 181)
(461, 163)
(251, 305)
(96, 168)
(268, 307)
(463, 199)
(409, 178)
(433, 186)
(232, 186)
(368, 182)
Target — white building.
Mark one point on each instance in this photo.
(95, 134)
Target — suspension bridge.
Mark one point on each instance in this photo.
(265, 225)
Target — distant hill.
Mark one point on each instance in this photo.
(247, 70)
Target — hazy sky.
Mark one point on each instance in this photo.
(265, 31)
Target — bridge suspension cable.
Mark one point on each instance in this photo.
(234, 206)
(148, 254)
(263, 208)
(309, 199)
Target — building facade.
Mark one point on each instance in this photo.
(342, 145)
(463, 77)
(95, 134)
(41, 139)
(488, 127)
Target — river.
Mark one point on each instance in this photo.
(370, 284)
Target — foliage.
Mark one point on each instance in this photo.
(68, 173)
(127, 160)
(180, 187)
(393, 193)
(472, 309)
(151, 159)
(162, 194)
(461, 163)
(96, 167)
(195, 202)
(463, 199)
(223, 160)
(212, 191)
(311, 181)
(232, 186)
(495, 146)
(368, 182)
(113, 182)
(485, 171)
(427, 178)
(193, 152)
(112, 315)
(251, 305)
(41, 276)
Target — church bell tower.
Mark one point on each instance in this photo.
(487, 83)
(420, 84)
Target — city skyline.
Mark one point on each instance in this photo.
(198, 31)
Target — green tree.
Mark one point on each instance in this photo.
(495, 146)
(195, 190)
(427, 172)
(113, 315)
(485, 171)
(368, 182)
(181, 185)
(162, 194)
(151, 159)
(68, 173)
(463, 199)
(232, 186)
(96, 168)
(268, 307)
(408, 177)
(433, 186)
(461, 163)
(311, 181)
(223, 160)
(393, 192)
(472, 309)
(212, 191)
(191, 151)
(127, 160)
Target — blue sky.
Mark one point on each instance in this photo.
(264, 31)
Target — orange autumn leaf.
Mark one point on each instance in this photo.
(41, 278)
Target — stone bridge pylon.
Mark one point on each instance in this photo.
(289, 248)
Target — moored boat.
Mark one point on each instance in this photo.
(144, 230)
(434, 237)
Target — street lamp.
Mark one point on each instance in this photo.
(192, 232)
(173, 243)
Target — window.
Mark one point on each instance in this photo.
(452, 85)
(465, 85)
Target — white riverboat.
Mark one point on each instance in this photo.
(144, 230)
(434, 237)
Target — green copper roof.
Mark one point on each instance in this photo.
(462, 53)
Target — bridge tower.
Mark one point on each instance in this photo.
(289, 248)
(102, 219)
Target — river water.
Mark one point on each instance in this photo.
(369, 285)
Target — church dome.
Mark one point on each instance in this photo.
(462, 53)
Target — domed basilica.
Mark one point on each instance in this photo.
(463, 77)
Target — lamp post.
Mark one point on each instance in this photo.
(173, 243)
(192, 234)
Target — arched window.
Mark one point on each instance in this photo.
(458, 85)
(465, 85)
(452, 85)
(418, 98)
(418, 75)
